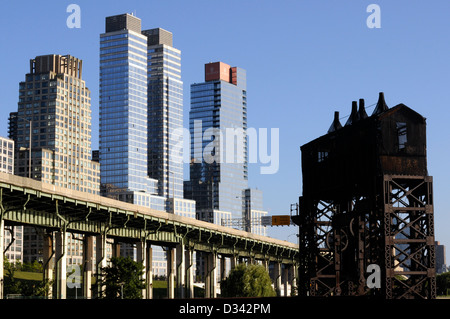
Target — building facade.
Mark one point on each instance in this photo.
(218, 125)
(165, 113)
(254, 211)
(52, 134)
(13, 235)
(54, 111)
(441, 264)
(123, 152)
(141, 121)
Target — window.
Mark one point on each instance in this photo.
(322, 156)
(402, 135)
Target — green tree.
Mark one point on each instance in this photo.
(23, 287)
(12, 286)
(122, 279)
(247, 281)
(443, 283)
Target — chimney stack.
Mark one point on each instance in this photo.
(353, 118)
(381, 105)
(336, 125)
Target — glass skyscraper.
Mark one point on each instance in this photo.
(218, 125)
(141, 118)
(124, 114)
(165, 113)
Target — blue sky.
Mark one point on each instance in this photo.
(304, 60)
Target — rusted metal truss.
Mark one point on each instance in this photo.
(368, 201)
(342, 239)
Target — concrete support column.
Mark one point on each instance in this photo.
(211, 274)
(141, 256)
(181, 270)
(277, 277)
(2, 248)
(61, 264)
(189, 263)
(100, 248)
(47, 252)
(170, 273)
(88, 256)
(149, 273)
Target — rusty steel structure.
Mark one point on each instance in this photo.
(368, 200)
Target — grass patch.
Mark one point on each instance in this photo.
(24, 275)
(159, 286)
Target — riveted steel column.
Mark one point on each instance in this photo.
(277, 277)
(141, 256)
(170, 272)
(61, 263)
(223, 268)
(189, 263)
(48, 252)
(286, 282)
(149, 273)
(88, 255)
(233, 261)
(100, 242)
(181, 270)
(211, 274)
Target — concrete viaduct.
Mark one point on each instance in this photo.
(59, 211)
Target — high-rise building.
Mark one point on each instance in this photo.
(441, 265)
(141, 120)
(218, 125)
(52, 134)
(54, 111)
(13, 235)
(165, 112)
(124, 114)
(254, 211)
(6, 155)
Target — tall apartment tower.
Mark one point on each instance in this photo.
(165, 113)
(124, 114)
(13, 235)
(141, 107)
(54, 111)
(52, 131)
(218, 125)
